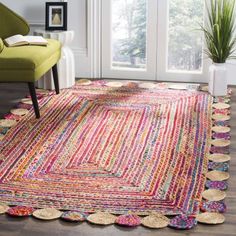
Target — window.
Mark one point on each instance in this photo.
(129, 24)
(153, 40)
(185, 40)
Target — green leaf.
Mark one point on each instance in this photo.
(219, 30)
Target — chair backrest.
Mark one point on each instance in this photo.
(11, 23)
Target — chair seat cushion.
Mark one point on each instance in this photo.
(28, 63)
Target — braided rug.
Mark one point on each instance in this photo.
(97, 148)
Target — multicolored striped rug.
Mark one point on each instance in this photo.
(113, 149)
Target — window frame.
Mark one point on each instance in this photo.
(163, 74)
(108, 71)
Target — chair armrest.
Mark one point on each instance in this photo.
(1, 45)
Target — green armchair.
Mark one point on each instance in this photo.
(25, 64)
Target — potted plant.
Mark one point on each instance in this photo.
(220, 37)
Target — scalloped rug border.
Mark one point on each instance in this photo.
(216, 179)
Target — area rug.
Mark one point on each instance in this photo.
(114, 149)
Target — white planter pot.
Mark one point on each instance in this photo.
(218, 84)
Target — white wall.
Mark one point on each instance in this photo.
(34, 12)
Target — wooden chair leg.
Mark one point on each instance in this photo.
(55, 78)
(34, 99)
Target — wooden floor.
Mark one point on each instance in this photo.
(9, 95)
